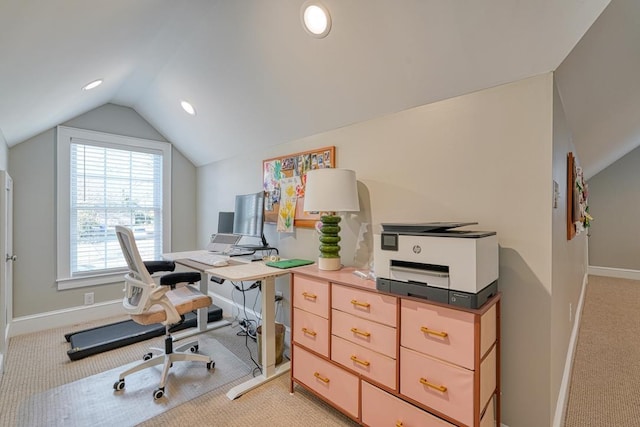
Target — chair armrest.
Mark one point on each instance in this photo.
(172, 279)
(155, 266)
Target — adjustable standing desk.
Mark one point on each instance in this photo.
(236, 272)
(259, 271)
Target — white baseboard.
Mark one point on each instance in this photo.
(88, 313)
(67, 317)
(563, 393)
(621, 273)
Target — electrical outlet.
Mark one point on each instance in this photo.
(88, 298)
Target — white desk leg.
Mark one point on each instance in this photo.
(203, 313)
(268, 340)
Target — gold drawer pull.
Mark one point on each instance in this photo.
(432, 332)
(308, 295)
(361, 304)
(321, 378)
(359, 332)
(399, 424)
(362, 362)
(434, 386)
(309, 332)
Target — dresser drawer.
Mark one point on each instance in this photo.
(311, 295)
(333, 383)
(366, 333)
(366, 304)
(439, 385)
(311, 330)
(439, 331)
(373, 365)
(380, 408)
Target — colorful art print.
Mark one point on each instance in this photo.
(287, 164)
(277, 169)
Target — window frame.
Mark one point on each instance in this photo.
(64, 137)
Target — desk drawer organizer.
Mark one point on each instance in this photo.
(397, 360)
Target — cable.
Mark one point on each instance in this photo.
(246, 323)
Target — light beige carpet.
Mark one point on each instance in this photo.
(605, 383)
(101, 405)
(37, 364)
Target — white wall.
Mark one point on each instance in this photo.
(32, 166)
(4, 149)
(485, 157)
(614, 202)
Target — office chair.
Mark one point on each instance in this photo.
(148, 302)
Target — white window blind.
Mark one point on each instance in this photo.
(104, 180)
(112, 187)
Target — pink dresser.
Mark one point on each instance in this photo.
(387, 360)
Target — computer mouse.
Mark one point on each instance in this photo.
(220, 263)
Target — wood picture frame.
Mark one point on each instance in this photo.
(293, 168)
(571, 196)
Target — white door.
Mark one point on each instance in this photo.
(6, 264)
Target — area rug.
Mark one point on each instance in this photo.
(101, 405)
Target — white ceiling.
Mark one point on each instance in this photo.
(256, 78)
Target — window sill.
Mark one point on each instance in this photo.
(95, 280)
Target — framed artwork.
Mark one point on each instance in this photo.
(284, 181)
(578, 216)
(572, 197)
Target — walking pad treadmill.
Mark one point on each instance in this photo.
(108, 337)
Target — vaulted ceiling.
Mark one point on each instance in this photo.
(257, 78)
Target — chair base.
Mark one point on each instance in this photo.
(185, 352)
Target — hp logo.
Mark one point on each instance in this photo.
(417, 249)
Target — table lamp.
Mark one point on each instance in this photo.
(329, 191)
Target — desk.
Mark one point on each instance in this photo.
(240, 272)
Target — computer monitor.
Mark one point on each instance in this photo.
(248, 218)
(225, 222)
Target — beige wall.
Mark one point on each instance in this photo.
(614, 202)
(569, 260)
(486, 157)
(32, 167)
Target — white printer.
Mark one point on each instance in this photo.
(433, 261)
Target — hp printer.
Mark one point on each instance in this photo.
(436, 262)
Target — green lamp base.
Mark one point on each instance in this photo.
(329, 248)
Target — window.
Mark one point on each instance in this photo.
(106, 180)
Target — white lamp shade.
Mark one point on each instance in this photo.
(331, 190)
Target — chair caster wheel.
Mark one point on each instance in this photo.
(158, 393)
(211, 365)
(194, 349)
(118, 385)
(147, 356)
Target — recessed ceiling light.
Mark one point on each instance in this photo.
(92, 85)
(316, 19)
(186, 106)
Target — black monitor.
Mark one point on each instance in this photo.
(225, 222)
(248, 218)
